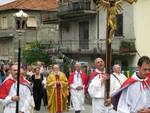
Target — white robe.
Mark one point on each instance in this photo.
(96, 90)
(115, 83)
(24, 102)
(135, 97)
(77, 96)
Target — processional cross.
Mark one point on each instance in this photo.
(113, 7)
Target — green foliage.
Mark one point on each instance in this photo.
(127, 44)
(34, 52)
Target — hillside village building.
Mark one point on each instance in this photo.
(77, 28)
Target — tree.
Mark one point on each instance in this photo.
(36, 52)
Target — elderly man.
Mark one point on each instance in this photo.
(8, 93)
(57, 91)
(116, 78)
(77, 81)
(96, 87)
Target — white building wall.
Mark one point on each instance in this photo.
(92, 32)
(128, 22)
(142, 26)
(73, 33)
(102, 24)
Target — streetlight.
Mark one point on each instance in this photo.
(20, 19)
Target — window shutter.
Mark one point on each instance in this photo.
(31, 22)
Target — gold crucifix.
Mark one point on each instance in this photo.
(113, 7)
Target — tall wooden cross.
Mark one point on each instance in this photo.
(113, 7)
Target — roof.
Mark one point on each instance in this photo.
(40, 5)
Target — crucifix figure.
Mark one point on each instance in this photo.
(113, 7)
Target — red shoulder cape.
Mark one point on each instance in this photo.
(6, 85)
(90, 77)
(83, 76)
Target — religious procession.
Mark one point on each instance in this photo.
(90, 58)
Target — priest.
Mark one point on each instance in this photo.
(57, 90)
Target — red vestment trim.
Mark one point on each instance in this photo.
(58, 95)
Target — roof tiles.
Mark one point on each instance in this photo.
(40, 5)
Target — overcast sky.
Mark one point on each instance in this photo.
(5, 1)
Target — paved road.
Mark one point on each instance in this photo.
(44, 109)
(88, 109)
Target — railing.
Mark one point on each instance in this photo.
(6, 33)
(74, 6)
(49, 17)
(88, 46)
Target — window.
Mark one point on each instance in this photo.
(32, 22)
(119, 27)
(4, 49)
(3, 23)
(20, 24)
(66, 26)
(84, 35)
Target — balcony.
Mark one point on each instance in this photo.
(6, 34)
(75, 9)
(94, 47)
(50, 17)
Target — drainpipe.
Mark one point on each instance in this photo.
(98, 29)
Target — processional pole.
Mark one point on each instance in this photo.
(108, 60)
(18, 74)
(21, 19)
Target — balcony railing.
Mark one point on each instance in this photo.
(90, 46)
(50, 17)
(74, 7)
(6, 34)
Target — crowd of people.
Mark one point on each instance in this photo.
(53, 87)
